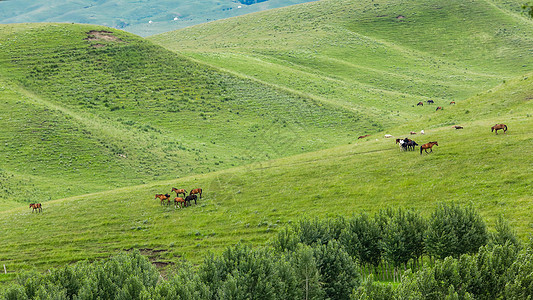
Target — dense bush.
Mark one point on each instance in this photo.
(453, 230)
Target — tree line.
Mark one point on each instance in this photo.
(448, 255)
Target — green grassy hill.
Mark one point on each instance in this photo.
(263, 112)
(85, 112)
(139, 17)
(381, 56)
(249, 203)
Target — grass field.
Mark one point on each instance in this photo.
(249, 203)
(96, 115)
(264, 119)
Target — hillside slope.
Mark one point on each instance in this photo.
(381, 57)
(87, 108)
(139, 17)
(249, 203)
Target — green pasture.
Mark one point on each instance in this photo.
(250, 203)
(380, 57)
(96, 115)
(263, 112)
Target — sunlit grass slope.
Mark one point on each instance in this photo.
(381, 56)
(250, 203)
(87, 108)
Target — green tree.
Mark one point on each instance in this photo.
(338, 272)
(453, 231)
(361, 238)
(504, 233)
(308, 275)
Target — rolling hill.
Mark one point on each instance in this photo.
(87, 109)
(249, 203)
(376, 56)
(263, 112)
(139, 17)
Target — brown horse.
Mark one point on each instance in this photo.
(363, 136)
(427, 146)
(498, 127)
(453, 102)
(179, 191)
(457, 127)
(196, 191)
(178, 201)
(439, 108)
(163, 197)
(420, 103)
(36, 207)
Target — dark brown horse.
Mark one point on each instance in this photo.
(453, 102)
(36, 207)
(420, 103)
(163, 197)
(363, 136)
(427, 146)
(178, 201)
(179, 191)
(189, 198)
(498, 127)
(196, 191)
(438, 108)
(457, 127)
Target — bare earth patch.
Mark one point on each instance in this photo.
(101, 36)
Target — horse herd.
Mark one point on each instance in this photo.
(180, 201)
(407, 144)
(433, 102)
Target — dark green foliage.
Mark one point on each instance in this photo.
(371, 290)
(338, 272)
(403, 237)
(528, 8)
(243, 273)
(483, 275)
(125, 276)
(315, 231)
(520, 284)
(361, 238)
(307, 272)
(184, 284)
(453, 231)
(504, 233)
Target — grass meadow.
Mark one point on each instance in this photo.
(263, 112)
(248, 204)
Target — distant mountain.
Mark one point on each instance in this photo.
(140, 17)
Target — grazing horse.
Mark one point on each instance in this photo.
(196, 191)
(427, 146)
(457, 127)
(363, 136)
(439, 108)
(178, 201)
(430, 102)
(412, 132)
(411, 145)
(453, 102)
(179, 191)
(498, 127)
(420, 103)
(36, 207)
(163, 197)
(189, 198)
